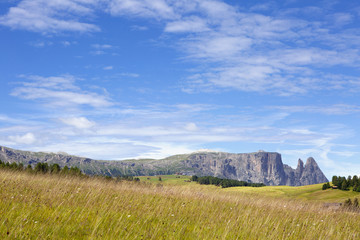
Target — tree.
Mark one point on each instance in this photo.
(344, 185)
(41, 168)
(55, 168)
(65, 170)
(14, 166)
(349, 181)
(194, 178)
(355, 180)
(335, 181)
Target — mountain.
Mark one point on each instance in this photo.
(260, 167)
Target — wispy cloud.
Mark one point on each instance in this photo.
(337, 109)
(102, 46)
(158, 9)
(108, 68)
(101, 49)
(78, 122)
(237, 48)
(40, 44)
(58, 91)
(139, 28)
(191, 24)
(48, 16)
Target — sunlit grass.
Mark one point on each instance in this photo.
(309, 192)
(54, 207)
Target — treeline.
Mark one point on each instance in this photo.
(224, 183)
(344, 183)
(42, 168)
(45, 168)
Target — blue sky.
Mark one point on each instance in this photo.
(116, 79)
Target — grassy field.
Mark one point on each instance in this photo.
(307, 193)
(55, 207)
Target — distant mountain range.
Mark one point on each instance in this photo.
(260, 167)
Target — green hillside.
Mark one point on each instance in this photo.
(308, 193)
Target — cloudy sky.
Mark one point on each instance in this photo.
(116, 79)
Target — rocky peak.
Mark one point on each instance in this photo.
(311, 162)
(300, 165)
(299, 169)
(312, 173)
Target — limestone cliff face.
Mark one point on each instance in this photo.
(259, 167)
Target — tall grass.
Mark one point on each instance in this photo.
(57, 207)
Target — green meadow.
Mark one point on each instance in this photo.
(42, 206)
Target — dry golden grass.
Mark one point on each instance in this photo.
(55, 207)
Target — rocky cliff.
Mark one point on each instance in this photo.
(260, 167)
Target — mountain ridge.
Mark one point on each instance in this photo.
(263, 167)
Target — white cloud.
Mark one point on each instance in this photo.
(68, 43)
(337, 109)
(192, 24)
(133, 75)
(61, 98)
(65, 82)
(191, 127)
(49, 16)
(101, 49)
(238, 49)
(78, 122)
(98, 52)
(59, 91)
(139, 28)
(28, 138)
(158, 9)
(108, 68)
(102, 46)
(341, 19)
(40, 44)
